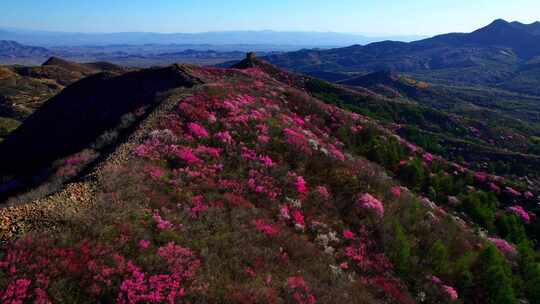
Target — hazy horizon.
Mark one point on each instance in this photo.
(366, 34)
(391, 18)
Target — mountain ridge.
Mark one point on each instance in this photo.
(249, 184)
(12, 49)
(496, 56)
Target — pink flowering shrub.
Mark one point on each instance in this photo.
(197, 130)
(348, 235)
(428, 157)
(17, 292)
(300, 184)
(74, 164)
(493, 187)
(93, 268)
(362, 252)
(512, 191)
(503, 246)
(186, 154)
(161, 224)
(144, 244)
(300, 290)
(323, 192)
(267, 229)
(224, 137)
(480, 177)
(139, 287)
(297, 140)
(298, 219)
(371, 204)
(520, 212)
(451, 292)
(396, 191)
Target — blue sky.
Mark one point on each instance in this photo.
(393, 17)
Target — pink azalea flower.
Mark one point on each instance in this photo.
(16, 291)
(186, 154)
(144, 244)
(224, 137)
(301, 185)
(503, 246)
(480, 176)
(520, 212)
(323, 192)
(155, 172)
(298, 218)
(436, 280)
(197, 130)
(367, 202)
(263, 139)
(249, 271)
(451, 292)
(296, 282)
(161, 224)
(512, 191)
(396, 191)
(197, 206)
(428, 157)
(348, 235)
(344, 265)
(284, 212)
(267, 161)
(494, 188)
(336, 153)
(265, 228)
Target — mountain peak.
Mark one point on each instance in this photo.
(56, 61)
(500, 22)
(68, 65)
(532, 28)
(497, 26)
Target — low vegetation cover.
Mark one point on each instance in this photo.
(251, 190)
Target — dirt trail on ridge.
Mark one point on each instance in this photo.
(50, 212)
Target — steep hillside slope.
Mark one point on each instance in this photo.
(24, 89)
(484, 94)
(75, 118)
(243, 188)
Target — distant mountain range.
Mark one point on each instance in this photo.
(12, 49)
(503, 54)
(302, 39)
(12, 52)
